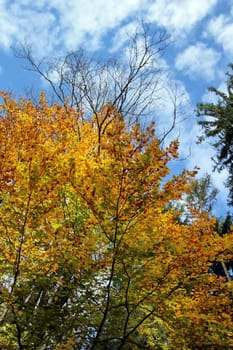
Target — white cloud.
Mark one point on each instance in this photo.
(198, 60)
(91, 19)
(179, 15)
(47, 25)
(221, 29)
(8, 27)
(50, 24)
(20, 23)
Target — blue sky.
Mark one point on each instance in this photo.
(201, 31)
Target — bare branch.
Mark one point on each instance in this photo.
(129, 81)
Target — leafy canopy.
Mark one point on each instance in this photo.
(91, 256)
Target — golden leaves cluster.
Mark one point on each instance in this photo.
(92, 203)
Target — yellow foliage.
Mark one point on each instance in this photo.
(91, 255)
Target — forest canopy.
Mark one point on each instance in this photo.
(93, 253)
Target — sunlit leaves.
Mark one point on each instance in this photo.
(92, 255)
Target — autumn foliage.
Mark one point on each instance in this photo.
(92, 255)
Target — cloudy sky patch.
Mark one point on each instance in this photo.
(180, 15)
(221, 30)
(198, 60)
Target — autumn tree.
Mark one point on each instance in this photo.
(218, 126)
(202, 194)
(91, 258)
(201, 198)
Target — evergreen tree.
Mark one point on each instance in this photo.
(219, 126)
